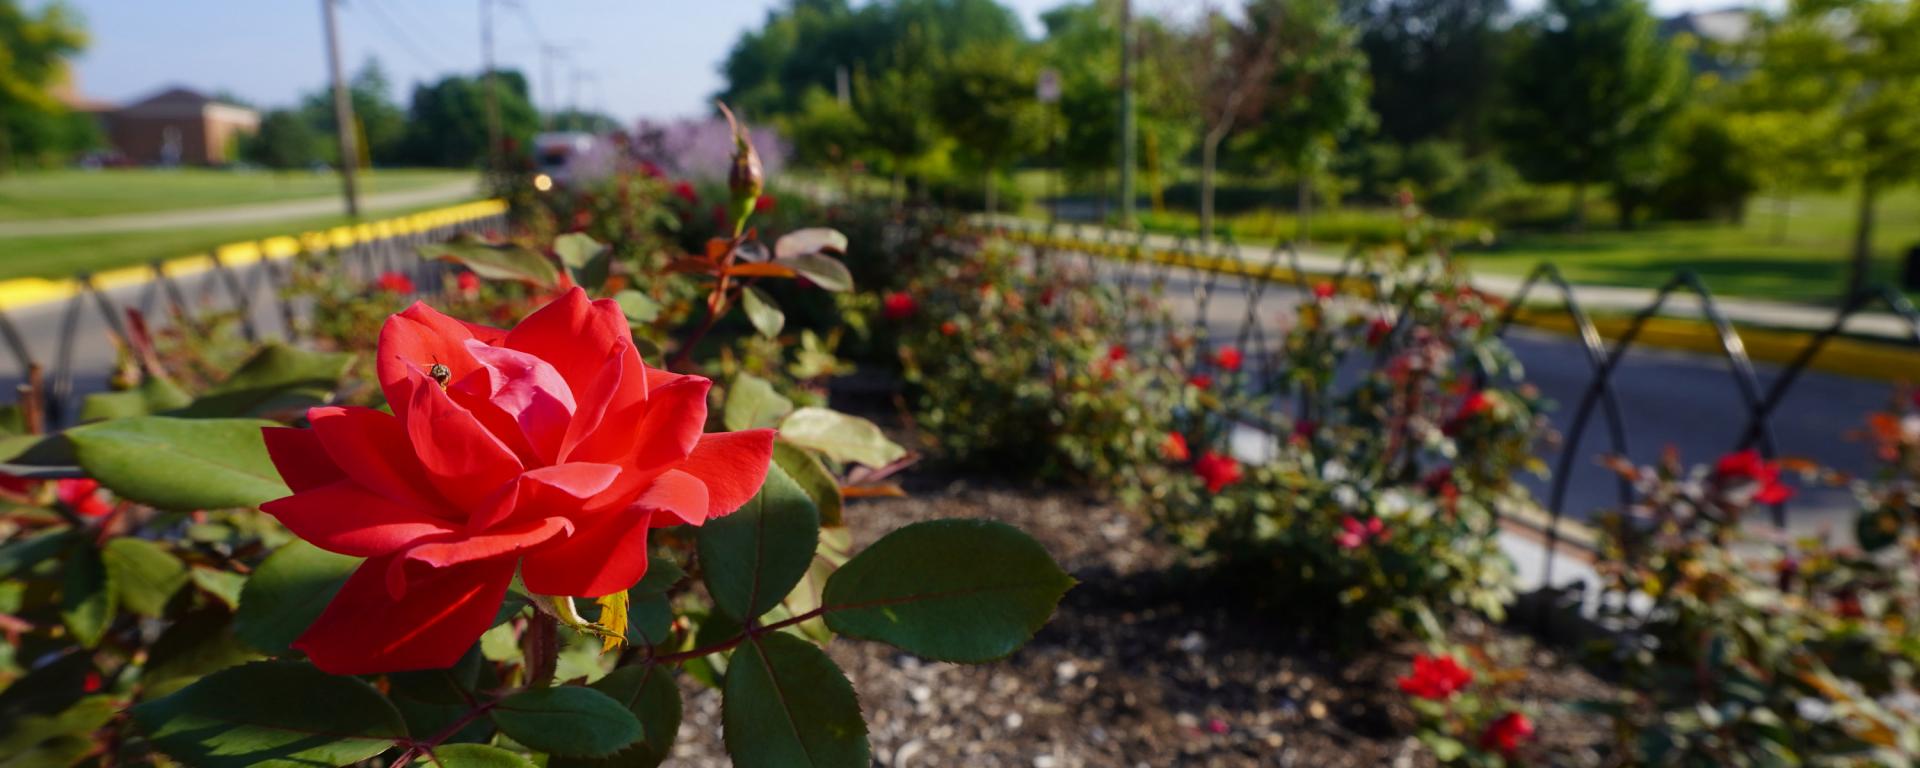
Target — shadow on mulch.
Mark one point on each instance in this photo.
(1147, 663)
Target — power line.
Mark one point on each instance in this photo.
(399, 34)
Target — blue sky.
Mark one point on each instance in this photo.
(650, 58)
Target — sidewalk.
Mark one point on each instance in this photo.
(449, 192)
(1595, 299)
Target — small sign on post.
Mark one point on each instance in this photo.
(1048, 87)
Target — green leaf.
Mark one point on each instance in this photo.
(22, 554)
(144, 574)
(752, 403)
(952, 590)
(86, 595)
(751, 558)
(812, 477)
(276, 379)
(786, 704)
(763, 312)
(473, 756)
(287, 592)
(808, 242)
(569, 720)
(225, 585)
(180, 464)
(495, 262)
(56, 741)
(649, 693)
(152, 396)
(639, 308)
(840, 437)
(584, 257)
(272, 713)
(822, 270)
(197, 644)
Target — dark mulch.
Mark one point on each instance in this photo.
(1145, 664)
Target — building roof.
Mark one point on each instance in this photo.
(1727, 25)
(175, 101)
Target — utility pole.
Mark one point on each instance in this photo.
(1127, 127)
(548, 52)
(492, 96)
(342, 112)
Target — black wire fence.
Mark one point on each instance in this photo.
(1138, 261)
(66, 347)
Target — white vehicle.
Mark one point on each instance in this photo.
(572, 158)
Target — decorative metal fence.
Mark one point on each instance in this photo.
(1210, 268)
(60, 333)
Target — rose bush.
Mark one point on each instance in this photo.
(437, 540)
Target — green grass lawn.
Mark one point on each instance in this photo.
(1808, 265)
(64, 255)
(76, 193)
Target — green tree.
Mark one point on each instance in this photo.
(1083, 45)
(1593, 86)
(985, 100)
(1435, 66)
(286, 140)
(1845, 76)
(825, 133)
(1226, 66)
(1319, 91)
(33, 59)
(381, 123)
(447, 121)
(895, 111)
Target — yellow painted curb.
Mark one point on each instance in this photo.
(27, 291)
(1849, 356)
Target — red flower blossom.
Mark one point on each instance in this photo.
(1378, 330)
(1354, 534)
(1746, 468)
(1117, 353)
(1436, 678)
(395, 282)
(1323, 290)
(1174, 447)
(1506, 732)
(948, 328)
(899, 305)
(763, 204)
(1228, 358)
(469, 284)
(1201, 381)
(549, 449)
(1216, 471)
(82, 496)
(683, 189)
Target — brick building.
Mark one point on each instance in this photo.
(178, 126)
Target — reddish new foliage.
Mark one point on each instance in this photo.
(1746, 467)
(1174, 448)
(1436, 678)
(395, 282)
(550, 448)
(1506, 732)
(899, 305)
(1216, 470)
(1228, 358)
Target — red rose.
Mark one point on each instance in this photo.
(948, 328)
(1228, 358)
(1377, 331)
(1216, 471)
(549, 449)
(1323, 290)
(468, 282)
(82, 496)
(1435, 677)
(395, 282)
(1506, 732)
(1174, 447)
(899, 305)
(1117, 353)
(1354, 534)
(763, 204)
(1747, 469)
(684, 190)
(1201, 381)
